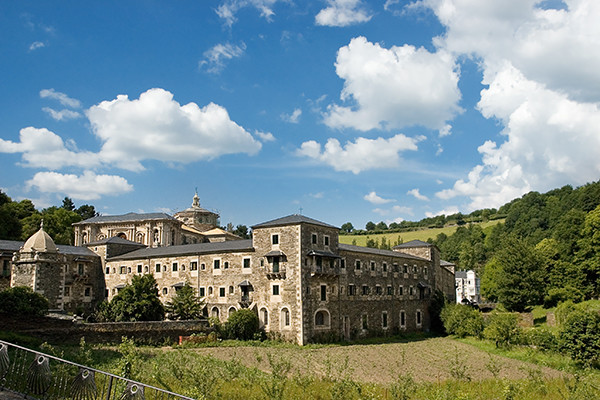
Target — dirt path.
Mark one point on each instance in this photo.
(428, 360)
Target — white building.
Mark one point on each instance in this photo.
(467, 287)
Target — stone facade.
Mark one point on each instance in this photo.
(303, 284)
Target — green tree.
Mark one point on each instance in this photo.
(242, 231)
(347, 227)
(10, 226)
(185, 304)
(370, 226)
(462, 320)
(580, 336)
(23, 301)
(68, 204)
(138, 301)
(521, 276)
(503, 329)
(86, 211)
(588, 255)
(242, 324)
(381, 226)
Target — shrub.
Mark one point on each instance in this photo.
(185, 305)
(580, 337)
(24, 301)
(242, 324)
(541, 338)
(559, 295)
(503, 329)
(461, 320)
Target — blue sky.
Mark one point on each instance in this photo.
(344, 110)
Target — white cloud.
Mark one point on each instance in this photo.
(153, 127)
(375, 199)
(361, 155)
(42, 148)
(417, 194)
(215, 57)
(402, 210)
(229, 8)
(551, 140)
(396, 87)
(61, 115)
(36, 45)
(64, 99)
(157, 127)
(292, 118)
(88, 186)
(265, 136)
(342, 13)
(447, 211)
(446, 130)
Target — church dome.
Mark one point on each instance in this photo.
(40, 242)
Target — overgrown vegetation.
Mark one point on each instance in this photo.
(23, 301)
(185, 304)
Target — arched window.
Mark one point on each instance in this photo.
(165, 291)
(322, 318)
(122, 235)
(156, 236)
(214, 312)
(231, 311)
(285, 318)
(264, 317)
(84, 238)
(139, 237)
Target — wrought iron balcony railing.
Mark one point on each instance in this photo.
(34, 375)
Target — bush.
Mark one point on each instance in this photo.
(242, 324)
(541, 338)
(559, 295)
(461, 320)
(503, 329)
(24, 301)
(580, 337)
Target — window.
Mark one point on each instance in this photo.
(123, 269)
(139, 269)
(372, 265)
(401, 291)
(322, 318)
(157, 268)
(201, 292)
(415, 269)
(384, 320)
(221, 292)
(107, 270)
(314, 238)
(351, 290)
(231, 311)
(216, 264)
(424, 270)
(323, 292)
(231, 289)
(175, 267)
(405, 269)
(67, 291)
(215, 312)
(326, 240)
(264, 316)
(378, 290)
(226, 265)
(365, 290)
(384, 266)
(275, 239)
(164, 268)
(343, 263)
(357, 265)
(210, 290)
(246, 263)
(165, 291)
(390, 290)
(194, 266)
(402, 319)
(146, 269)
(411, 291)
(285, 317)
(128, 270)
(275, 290)
(419, 321)
(80, 270)
(87, 292)
(365, 322)
(202, 266)
(396, 267)
(275, 264)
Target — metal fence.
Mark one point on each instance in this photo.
(34, 375)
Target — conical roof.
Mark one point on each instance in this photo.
(40, 242)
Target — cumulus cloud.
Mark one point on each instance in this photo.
(551, 140)
(229, 8)
(157, 127)
(342, 13)
(417, 194)
(447, 211)
(61, 115)
(36, 45)
(215, 58)
(396, 87)
(265, 136)
(360, 155)
(375, 199)
(153, 127)
(292, 118)
(88, 186)
(64, 99)
(42, 148)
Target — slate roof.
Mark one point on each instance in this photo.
(187, 249)
(13, 245)
(129, 217)
(369, 250)
(293, 219)
(114, 240)
(445, 263)
(461, 274)
(413, 243)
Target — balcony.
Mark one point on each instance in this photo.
(323, 271)
(246, 301)
(275, 272)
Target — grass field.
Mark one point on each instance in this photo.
(422, 234)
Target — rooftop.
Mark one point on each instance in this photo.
(185, 249)
(293, 219)
(126, 218)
